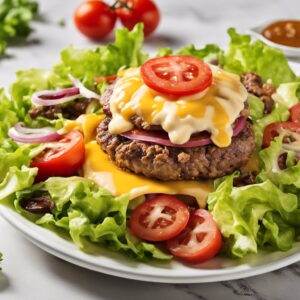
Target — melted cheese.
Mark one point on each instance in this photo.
(214, 109)
(104, 172)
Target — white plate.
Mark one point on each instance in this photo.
(218, 269)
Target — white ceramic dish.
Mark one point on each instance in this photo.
(218, 269)
(288, 51)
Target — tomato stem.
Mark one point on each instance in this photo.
(120, 4)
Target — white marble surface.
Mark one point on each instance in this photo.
(30, 273)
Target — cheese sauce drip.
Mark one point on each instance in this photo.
(214, 109)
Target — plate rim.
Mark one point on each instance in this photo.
(34, 236)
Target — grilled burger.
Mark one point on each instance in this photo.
(176, 118)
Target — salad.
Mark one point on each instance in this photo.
(186, 155)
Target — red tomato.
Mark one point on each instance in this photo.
(272, 130)
(295, 113)
(62, 158)
(95, 19)
(137, 11)
(201, 240)
(159, 219)
(176, 75)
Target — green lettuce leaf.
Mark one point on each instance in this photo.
(8, 117)
(244, 55)
(15, 173)
(16, 180)
(288, 94)
(207, 53)
(86, 64)
(276, 232)
(240, 213)
(90, 214)
(256, 107)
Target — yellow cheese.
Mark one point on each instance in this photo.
(87, 124)
(100, 169)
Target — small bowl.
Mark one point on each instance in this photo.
(287, 50)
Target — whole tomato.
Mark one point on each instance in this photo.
(95, 19)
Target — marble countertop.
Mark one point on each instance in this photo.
(30, 273)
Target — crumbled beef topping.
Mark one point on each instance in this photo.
(71, 111)
(254, 85)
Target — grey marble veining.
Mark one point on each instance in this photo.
(30, 273)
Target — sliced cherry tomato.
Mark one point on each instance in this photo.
(176, 75)
(201, 240)
(95, 19)
(295, 113)
(132, 12)
(272, 130)
(159, 219)
(62, 158)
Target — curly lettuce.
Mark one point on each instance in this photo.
(208, 53)
(86, 64)
(89, 214)
(244, 55)
(253, 216)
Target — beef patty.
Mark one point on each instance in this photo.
(173, 163)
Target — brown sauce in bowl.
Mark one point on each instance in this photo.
(285, 32)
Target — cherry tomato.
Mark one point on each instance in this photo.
(272, 130)
(159, 219)
(295, 113)
(176, 75)
(201, 240)
(95, 19)
(62, 158)
(144, 11)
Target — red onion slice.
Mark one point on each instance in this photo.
(22, 134)
(239, 125)
(49, 97)
(161, 138)
(83, 90)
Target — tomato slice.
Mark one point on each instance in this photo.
(61, 158)
(201, 240)
(295, 113)
(159, 219)
(272, 130)
(176, 75)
